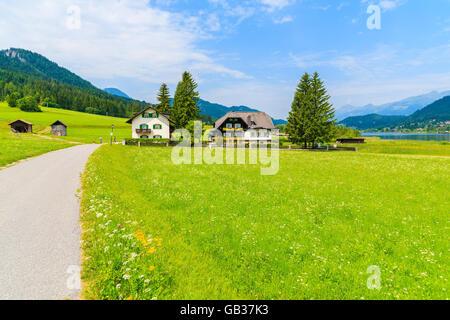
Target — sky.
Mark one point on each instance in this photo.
(250, 52)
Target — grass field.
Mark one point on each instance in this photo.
(153, 230)
(83, 128)
(411, 147)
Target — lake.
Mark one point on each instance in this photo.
(408, 136)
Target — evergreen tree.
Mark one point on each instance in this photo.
(298, 120)
(164, 99)
(185, 104)
(323, 119)
(311, 119)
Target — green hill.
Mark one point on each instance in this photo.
(438, 110)
(435, 112)
(82, 127)
(30, 73)
(372, 121)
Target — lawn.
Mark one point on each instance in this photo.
(411, 147)
(154, 230)
(82, 127)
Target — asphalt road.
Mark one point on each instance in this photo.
(39, 226)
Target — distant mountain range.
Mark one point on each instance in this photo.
(116, 92)
(217, 111)
(438, 111)
(405, 107)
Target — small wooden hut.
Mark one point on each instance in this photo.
(21, 126)
(59, 129)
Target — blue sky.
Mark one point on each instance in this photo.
(242, 52)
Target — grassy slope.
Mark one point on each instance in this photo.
(84, 128)
(227, 232)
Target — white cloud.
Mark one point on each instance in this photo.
(386, 5)
(116, 38)
(283, 20)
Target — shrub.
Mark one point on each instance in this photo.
(28, 104)
(147, 142)
(12, 98)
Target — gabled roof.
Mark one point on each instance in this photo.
(58, 122)
(23, 121)
(145, 110)
(254, 120)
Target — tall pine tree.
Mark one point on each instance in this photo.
(299, 120)
(185, 103)
(164, 99)
(311, 119)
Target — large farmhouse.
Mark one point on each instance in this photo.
(253, 125)
(151, 124)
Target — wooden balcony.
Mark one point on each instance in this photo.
(143, 131)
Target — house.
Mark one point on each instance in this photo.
(252, 126)
(151, 124)
(21, 126)
(59, 129)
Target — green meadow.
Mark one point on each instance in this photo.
(155, 230)
(82, 128)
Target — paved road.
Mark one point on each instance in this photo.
(39, 226)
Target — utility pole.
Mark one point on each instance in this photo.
(112, 133)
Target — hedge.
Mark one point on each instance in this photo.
(147, 142)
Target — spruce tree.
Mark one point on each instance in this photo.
(323, 119)
(311, 119)
(185, 103)
(298, 120)
(164, 99)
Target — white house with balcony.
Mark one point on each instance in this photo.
(151, 124)
(248, 126)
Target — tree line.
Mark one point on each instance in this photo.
(15, 86)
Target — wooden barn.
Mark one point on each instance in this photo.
(21, 126)
(351, 141)
(59, 129)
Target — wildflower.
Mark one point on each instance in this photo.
(151, 251)
(130, 298)
(152, 268)
(126, 277)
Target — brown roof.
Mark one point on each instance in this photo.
(254, 120)
(146, 109)
(23, 121)
(58, 122)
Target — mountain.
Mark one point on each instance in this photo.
(372, 121)
(33, 64)
(116, 92)
(27, 73)
(217, 111)
(403, 107)
(438, 111)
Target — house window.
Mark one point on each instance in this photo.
(144, 137)
(238, 126)
(144, 127)
(229, 126)
(155, 115)
(145, 115)
(157, 126)
(157, 137)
